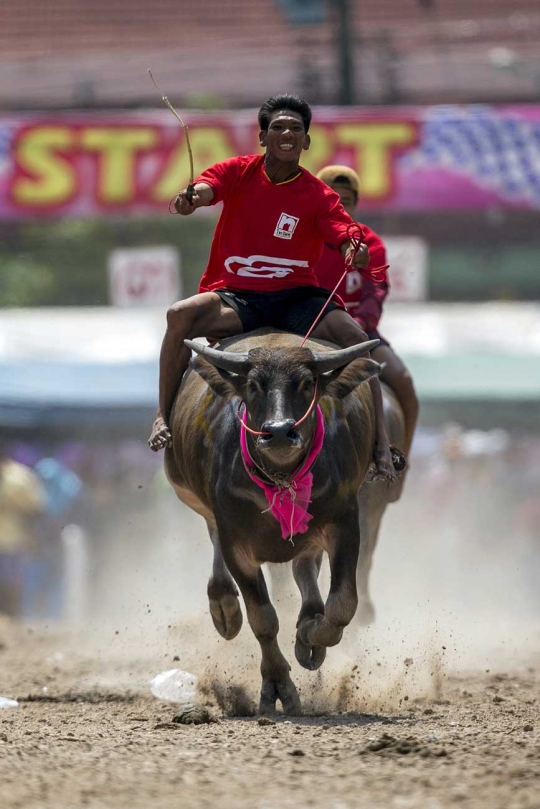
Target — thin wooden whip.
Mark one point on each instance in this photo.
(190, 190)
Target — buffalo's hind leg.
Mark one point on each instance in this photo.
(372, 500)
(306, 573)
(262, 617)
(222, 594)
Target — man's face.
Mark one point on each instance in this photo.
(347, 197)
(286, 136)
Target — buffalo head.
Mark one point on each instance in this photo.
(278, 385)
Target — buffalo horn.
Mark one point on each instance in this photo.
(226, 360)
(330, 360)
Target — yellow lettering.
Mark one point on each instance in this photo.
(117, 149)
(52, 179)
(209, 145)
(373, 144)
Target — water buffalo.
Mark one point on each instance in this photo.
(270, 383)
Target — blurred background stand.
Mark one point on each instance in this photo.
(436, 105)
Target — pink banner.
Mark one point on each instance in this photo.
(408, 158)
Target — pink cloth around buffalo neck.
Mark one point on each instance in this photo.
(288, 503)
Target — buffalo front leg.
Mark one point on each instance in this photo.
(263, 620)
(222, 594)
(343, 546)
(306, 573)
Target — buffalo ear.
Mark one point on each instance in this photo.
(342, 381)
(221, 382)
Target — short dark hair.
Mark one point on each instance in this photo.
(284, 102)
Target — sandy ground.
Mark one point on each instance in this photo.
(435, 706)
(88, 733)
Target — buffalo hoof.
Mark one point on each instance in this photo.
(318, 631)
(286, 692)
(365, 614)
(226, 615)
(310, 657)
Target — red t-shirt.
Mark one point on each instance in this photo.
(363, 293)
(269, 237)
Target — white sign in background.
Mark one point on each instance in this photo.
(408, 273)
(144, 276)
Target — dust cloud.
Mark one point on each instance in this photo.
(453, 586)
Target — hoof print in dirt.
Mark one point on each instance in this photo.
(194, 715)
(389, 745)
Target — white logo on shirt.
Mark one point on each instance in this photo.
(353, 281)
(262, 266)
(286, 226)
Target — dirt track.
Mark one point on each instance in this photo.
(436, 706)
(472, 740)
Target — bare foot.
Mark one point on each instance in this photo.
(160, 436)
(384, 467)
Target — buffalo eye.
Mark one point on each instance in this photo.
(253, 387)
(306, 386)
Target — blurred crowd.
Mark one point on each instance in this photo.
(107, 490)
(482, 484)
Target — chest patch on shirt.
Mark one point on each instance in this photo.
(286, 226)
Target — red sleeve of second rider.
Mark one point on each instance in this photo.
(374, 288)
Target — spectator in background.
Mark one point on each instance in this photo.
(22, 501)
(45, 591)
(364, 296)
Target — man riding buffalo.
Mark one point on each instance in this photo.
(276, 218)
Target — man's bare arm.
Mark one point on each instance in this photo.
(203, 195)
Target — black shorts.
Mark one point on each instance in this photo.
(293, 310)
